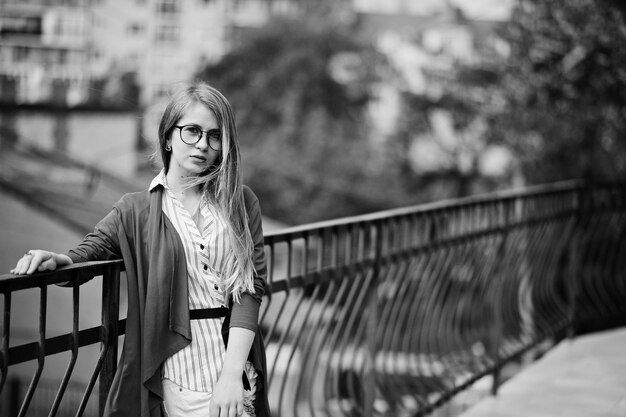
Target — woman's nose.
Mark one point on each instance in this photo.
(203, 143)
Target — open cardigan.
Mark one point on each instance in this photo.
(157, 324)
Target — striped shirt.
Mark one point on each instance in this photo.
(203, 234)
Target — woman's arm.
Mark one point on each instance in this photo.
(101, 244)
(40, 260)
(228, 392)
(246, 313)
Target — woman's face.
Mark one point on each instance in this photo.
(191, 160)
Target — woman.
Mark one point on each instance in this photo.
(192, 246)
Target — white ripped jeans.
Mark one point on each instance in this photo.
(182, 402)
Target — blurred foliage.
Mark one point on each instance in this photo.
(467, 97)
(552, 97)
(300, 89)
(564, 83)
(454, 161)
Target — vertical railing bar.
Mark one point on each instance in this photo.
(305, 273)
(318, 330)
(357, 296)
(6, 331)
(105, 335)
(283, 336)
(366, 361)
(369, 378)
(396, 280)
(94, 376)
(415, 340)
(498, 325)
(343, 320)
(324, 335)
(41, 349)
(110, 320)
(307, 346)
(574, 273)
(70, 367)
(329, 387)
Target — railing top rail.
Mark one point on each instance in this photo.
(84, 270)
(497, 196)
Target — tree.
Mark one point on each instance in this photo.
(564, 83)
(300, 89)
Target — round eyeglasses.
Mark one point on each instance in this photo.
(191, 134)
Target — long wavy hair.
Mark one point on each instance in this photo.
(221, 183)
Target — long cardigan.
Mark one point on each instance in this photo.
(157, 325)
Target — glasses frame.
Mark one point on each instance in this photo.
(202, 132)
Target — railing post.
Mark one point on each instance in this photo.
(369, 379)
(110, 317)
(497, 330)
(573, 261)
(498, 325)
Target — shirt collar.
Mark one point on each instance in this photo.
(158, 180)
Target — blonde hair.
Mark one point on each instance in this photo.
(221, 183)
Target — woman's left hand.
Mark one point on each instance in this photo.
(227, 398)
(228, 393)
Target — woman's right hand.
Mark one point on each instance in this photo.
(39, 260)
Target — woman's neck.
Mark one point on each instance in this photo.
(182, 189)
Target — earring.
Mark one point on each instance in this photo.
(168, 148)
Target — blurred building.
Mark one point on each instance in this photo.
(73, 52)
(45, 51)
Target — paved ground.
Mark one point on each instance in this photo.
(583, 377)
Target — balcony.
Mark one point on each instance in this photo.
(398, 313)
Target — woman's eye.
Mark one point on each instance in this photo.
(192, 130)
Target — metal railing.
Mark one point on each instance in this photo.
(394, 313)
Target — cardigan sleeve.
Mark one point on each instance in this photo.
(246, 312)
(102, 244)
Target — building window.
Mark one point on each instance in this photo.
(20, 53)
(167, 33)
(135, 28)
(61, 57)
(20, 25)
(167, 6)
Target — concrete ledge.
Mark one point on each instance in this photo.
(583, 377)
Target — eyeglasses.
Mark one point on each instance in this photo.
(191, 134)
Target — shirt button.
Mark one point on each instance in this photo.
(206, 267)
(216, 287)
(201, 246)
